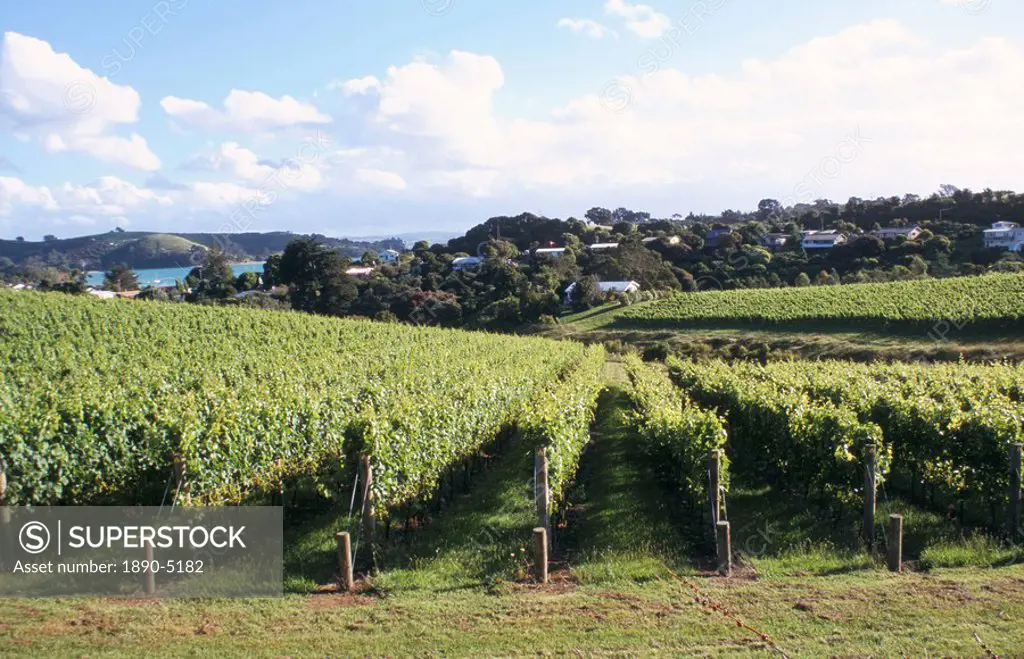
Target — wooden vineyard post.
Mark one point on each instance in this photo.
(724, 543)
(345, 561)
(543, 491)
(715, 489)
(280, 484)
(870, 488)
(5, 521)
(5, 513)
(149, 575)
(895, 543)
(181, 493)
(1013, 516)
(540, 554)
(369, 512)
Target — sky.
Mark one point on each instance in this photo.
(366, 119)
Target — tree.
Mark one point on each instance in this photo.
(49, 238)
(500, 250)
(214, 278)
(769, 209)
(20, 239)
(247, 281)
(598, 215)
(312, 270)
(370, 257)
(272, 271)
(802, 280)
(624, 228)
(918, 266)
(337, 293)
(120, 278)
(587, 294)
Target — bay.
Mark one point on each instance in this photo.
(167, 276)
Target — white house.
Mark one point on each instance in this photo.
(1005, 235)
(604, 286)
(553, 252)
(363, 273)
(892, 233)
(467, 262)
(388, 256)
(252, 293)
(597, 247)
(103, 295)
(822, 239)
(774, 240)
(671, 240)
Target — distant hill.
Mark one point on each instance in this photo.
(432, 237)
(154, 251)
(145, 249)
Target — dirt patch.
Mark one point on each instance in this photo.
(560, 582)
(811, 608)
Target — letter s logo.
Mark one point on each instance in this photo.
(34, 537)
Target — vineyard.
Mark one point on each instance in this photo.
(111, 402)
(940, 433)
(467, 441)
(987, 303)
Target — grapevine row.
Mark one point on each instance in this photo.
(100, 398)
(559, 420)
(784, 436)
(994, 301)
(671, 425)
(946, 426)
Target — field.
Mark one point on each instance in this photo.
(864, 323)
(988, 303)
(102, 399)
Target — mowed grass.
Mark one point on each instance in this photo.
(942, 342)
(779, 535)
(625, 530)
(621, 585)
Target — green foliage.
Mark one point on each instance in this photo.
(946, 425)
(995, 301)
(247, 281)
(676, 429)
(560, 417)
(121, 278)
(99, 396)
(784, 435)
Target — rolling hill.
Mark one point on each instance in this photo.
(148, 249)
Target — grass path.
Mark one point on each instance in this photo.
(625, 530)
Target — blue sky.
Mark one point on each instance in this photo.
(418, 115)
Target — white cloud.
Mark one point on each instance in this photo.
(356, 86)
(107, 196)
(381, 179)
(587, 26)
(244, 112)
(933, 113)
(47, 96)
(642, 20)
(433, 130)
(246, 167)
(14, 191)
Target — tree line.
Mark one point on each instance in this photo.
(508, 284)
